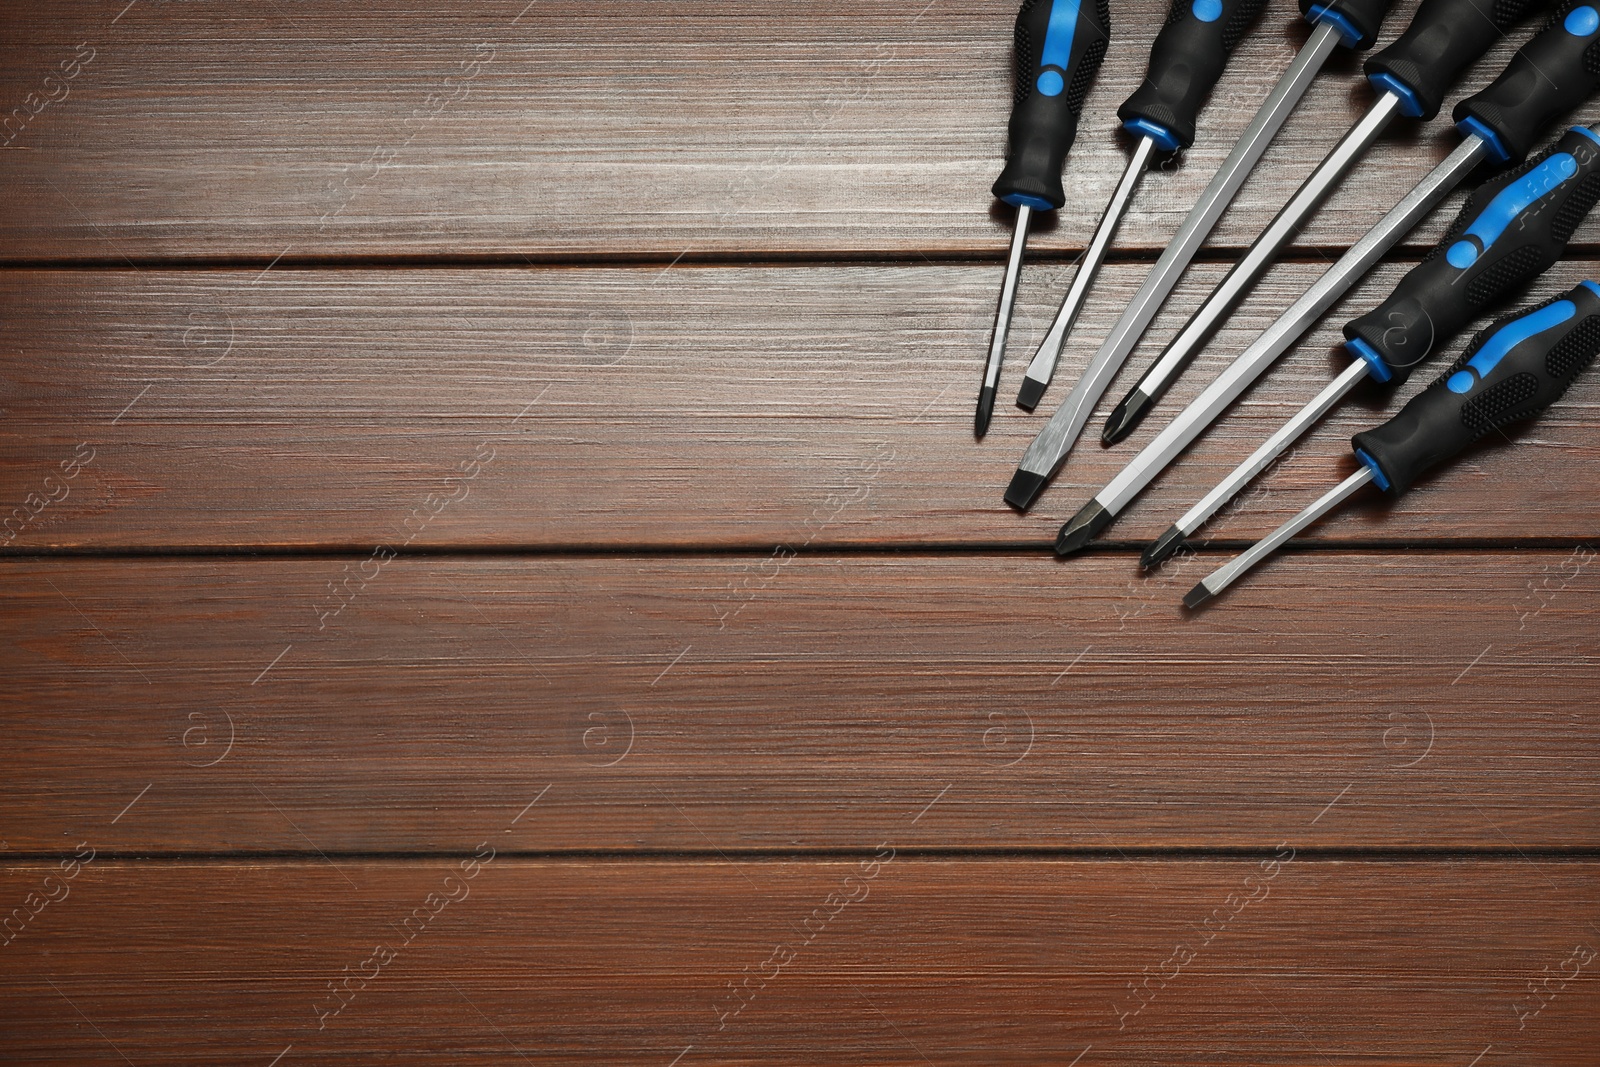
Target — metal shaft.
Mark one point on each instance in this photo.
(1044, 360)
(1284, 228)
(1272, 448)
(1294, 322)
(1002, 319)
(1050, 448)
(1228, 573)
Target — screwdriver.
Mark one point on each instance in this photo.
(1059, 46)
(1513, 370)
(1352, 23)
(1411, 76)
(1186, 60)
(1511, 230)
(1547, 77)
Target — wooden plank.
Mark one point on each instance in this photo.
(610, 127)
(806, 702)
(626, 407)
(1280, 959)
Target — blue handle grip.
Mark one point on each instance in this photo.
(1059, 46)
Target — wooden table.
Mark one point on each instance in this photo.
(502, 574)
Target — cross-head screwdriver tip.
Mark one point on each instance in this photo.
(1162, 548)
(1125, 417)
(1082, 528)
(980, 423)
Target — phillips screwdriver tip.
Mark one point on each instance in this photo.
(980, 424)
(1197, 596)
(1083, 527)
(1029, 395)
(1126, 417)
(1162, 548)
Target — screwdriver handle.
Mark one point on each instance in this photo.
(1185, 62)
(1443, 38)
(1358, 21)
(1511, 230)
(1513, 370)
(1550, 75)
(1060, 44)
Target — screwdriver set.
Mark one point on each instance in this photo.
(1512, 229)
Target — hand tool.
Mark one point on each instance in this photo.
(1185, 62)
(1513, 370)
(1547, 77)
(1059, 46)
(1510, 231)
(1411, 76)
(1352, 23)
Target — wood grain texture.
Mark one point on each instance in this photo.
(1259, 961)
(626, 407)
(768, 702)
(575, 754)
(610, 128)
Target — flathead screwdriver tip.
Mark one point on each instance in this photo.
(1197, 596)
(1125, 417)
(1082, 528)
(1030, 394)
(1024, 487)
(980, 423)
(1162, 549)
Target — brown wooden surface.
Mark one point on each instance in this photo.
(627, 407)
(735, 703)
(1304, 962)
(580, 310)
(609, 128)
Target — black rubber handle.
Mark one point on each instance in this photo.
(1510, 231)
(1060, 44)
(1443, 38)
(1512, 371)
(1185, 62)
(1358, 20)
(1549, 76)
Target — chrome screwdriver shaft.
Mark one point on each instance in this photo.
(1229, 572)
(1278, 338)
(1258, 461)
(1043, 366)
(1002, 321)
(1049, 449)
(1187, 57)
(1283, 229)
(1059, 46)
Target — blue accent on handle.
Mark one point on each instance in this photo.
(1503, 340)
(1510, 202)
(1582, 21)
(1207, 10)
(1024, 200)
(1475, 127)
(1377, 368)
(1349, 34)
(1164, 138)
(1591, 286)
(1587, 132)
(1058, 37)
(1384, 82)
(1372, 465)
